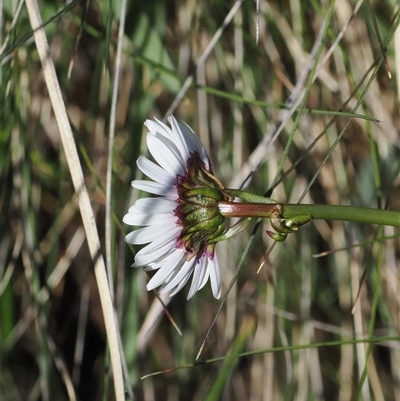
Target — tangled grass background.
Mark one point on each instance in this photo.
(324, 327)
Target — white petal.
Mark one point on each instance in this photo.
(166, 156)
(136, 218)
(165, 271)
(161, 261)
(145, 258)
(195, 281)
(155, 172)
(186, 269)
(200, 272)
(155, 188)
(161, 235)
(157, 127)
(150, 234)
(180, 285)
(173, 137)
(215, 276)
(189, 136)
(152, 252)
(196, 143)
(156, 205)
(166, 131)
(132, 237)
(206, 274)
(183, 143)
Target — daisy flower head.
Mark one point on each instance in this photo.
(181, 223)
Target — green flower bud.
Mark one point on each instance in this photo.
(200, 193)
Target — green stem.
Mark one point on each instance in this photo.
(323, 212)
(347, 213)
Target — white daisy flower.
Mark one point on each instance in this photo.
(181, 223)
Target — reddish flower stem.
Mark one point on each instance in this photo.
(232, 209)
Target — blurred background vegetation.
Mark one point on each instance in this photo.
(53, 342)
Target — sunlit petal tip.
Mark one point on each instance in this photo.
(156, 127)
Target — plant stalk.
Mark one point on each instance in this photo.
(323, 212)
